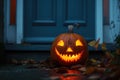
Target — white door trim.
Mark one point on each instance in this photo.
(99, 20)
(19, 21)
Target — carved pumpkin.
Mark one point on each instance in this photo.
(69, 48)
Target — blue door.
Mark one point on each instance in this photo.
(45, 19)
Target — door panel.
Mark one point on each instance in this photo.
(45, 19)
(42, 14)
(75, 12)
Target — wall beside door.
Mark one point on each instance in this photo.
(112, 28)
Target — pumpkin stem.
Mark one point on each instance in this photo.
(70, 28)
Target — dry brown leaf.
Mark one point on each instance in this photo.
(103, 46)
(118, 51)
(108, 54)
(109, 57)
(93, 60)
(97, 43)
(90, 70)
(94, 43)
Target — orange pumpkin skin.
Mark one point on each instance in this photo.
(69, 49)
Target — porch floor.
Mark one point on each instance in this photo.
(10, 71)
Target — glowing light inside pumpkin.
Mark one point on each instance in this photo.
(60, 43)
(78, 43)
(69, 49)
(69, 58)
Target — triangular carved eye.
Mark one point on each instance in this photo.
(78, 43)
(60, 43)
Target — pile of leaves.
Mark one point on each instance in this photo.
(107, 67)
(110, 56)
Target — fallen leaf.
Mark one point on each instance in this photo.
(103, 46)
(94, 43)
(108, 54)
(90, 70)
(54, 78)
(83, 69)
(118, 51)
(93, 60)
(94, 77)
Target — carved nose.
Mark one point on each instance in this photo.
(69, 49)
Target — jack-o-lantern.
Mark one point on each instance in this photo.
(69, 48)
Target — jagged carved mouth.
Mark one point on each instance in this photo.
(69, 58)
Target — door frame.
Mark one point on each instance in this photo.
(19, 22)
(99, 20)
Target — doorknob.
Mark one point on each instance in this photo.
(77, 25)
